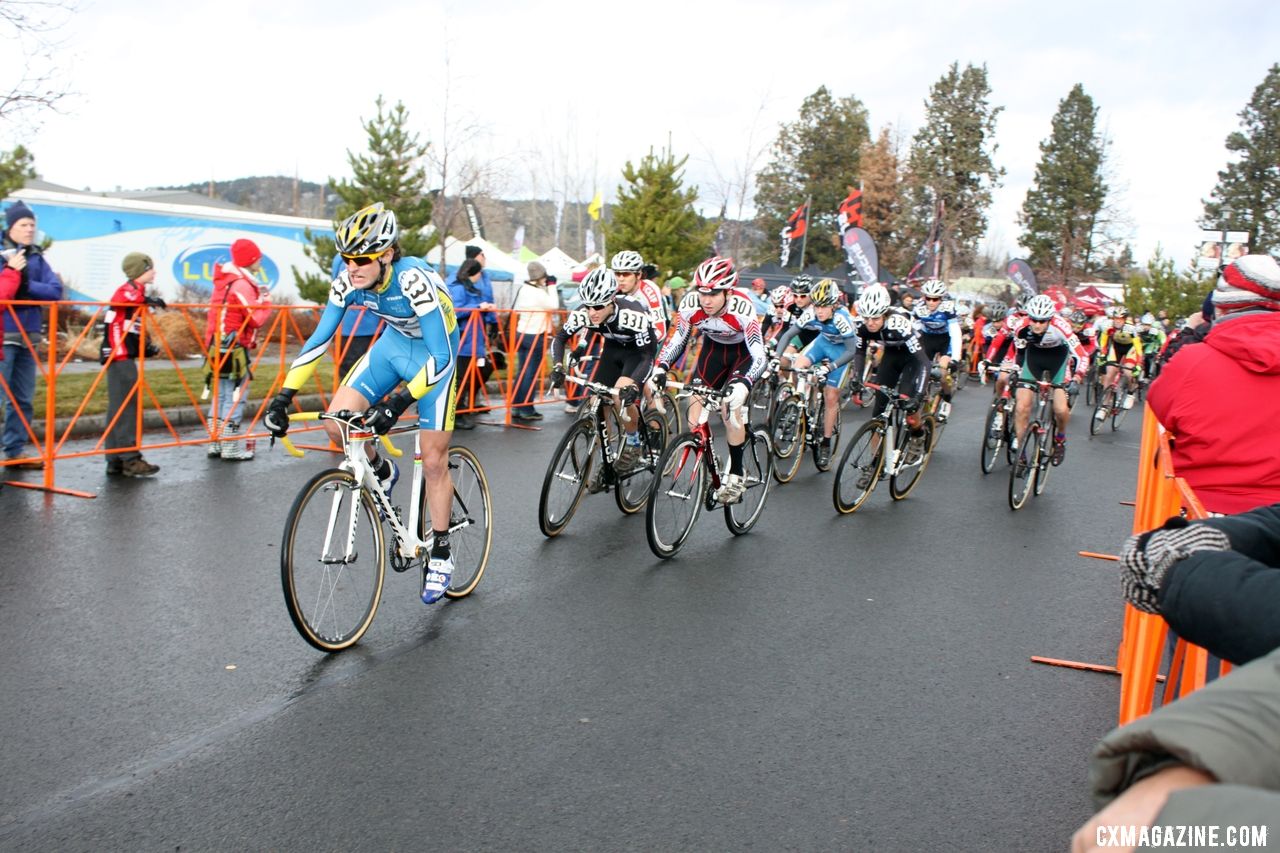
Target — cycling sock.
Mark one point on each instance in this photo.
(381, 467)
(440, 547)
(1059, 436)
(735, 458)
(633, 439)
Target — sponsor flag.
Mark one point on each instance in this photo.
(597, 205)
(860, 249)
(1022, 275)
(518, 241)
(473, 217)
(849, 213)
(590, 243)
(929, 258)
(797, 225)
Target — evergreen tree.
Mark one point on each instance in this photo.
(654, 215)
(1247, 197)
(1060, 213)
(951, 161)
(882, 197)
(815, 156)
(1163, 287)
(16, 167)
(392, 173)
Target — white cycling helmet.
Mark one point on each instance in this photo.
(715, 274)
(1148, 319)
(369, 231)
(802, 285)
(627, 261)
(1041, 307)
(782, 297)
(934, 288)
(598, 288)
(873, 301)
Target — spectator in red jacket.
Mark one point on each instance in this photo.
(1220, 401)
(120, 346)
(239, 307)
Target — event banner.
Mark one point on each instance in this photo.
(1023, 276)
(849, 213)
(860, 249)
(797, 224)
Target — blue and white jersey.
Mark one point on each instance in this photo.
(941, 320)
(837, 330)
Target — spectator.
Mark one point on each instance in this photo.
(533, 306)
(1216, 582)
(470, 296)
(492, 333)
(22, 329)
(120, 346)
(1219, 400)
(674, 291)
(760, 298)
(358, 329)
(1211, 759)
(240, 306)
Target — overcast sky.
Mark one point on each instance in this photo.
(183, 92)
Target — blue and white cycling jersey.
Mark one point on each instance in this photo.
(941, 320)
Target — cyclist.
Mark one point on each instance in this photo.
(831, 351)
(1048, 345)
(419, 347)
(1120, 351)
(1088, 338)
(627, 266)
(629, 346)
(903, 364)
(732, 356)
(1001, 350)
(1153, 339)
(939, 327)
(779, 317)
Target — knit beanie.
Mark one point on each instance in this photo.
(136, 264)
(1250, 282)
(536, 271)
(474, 251)
(245, 253)
(17, 212)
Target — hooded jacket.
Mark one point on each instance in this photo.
(236, 308)
(1220, 402)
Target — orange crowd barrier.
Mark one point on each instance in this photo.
(172, 400)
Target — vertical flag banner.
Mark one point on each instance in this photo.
(929, 258)
(597, 205)
(590, 243)
(860, 249)
(1023, 276)
(797, 225)
(518, 241)
(473, 217)
(559, 218)
(849, 213)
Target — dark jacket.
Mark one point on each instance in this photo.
(39, 282)
(466, 298)
(1228, 601)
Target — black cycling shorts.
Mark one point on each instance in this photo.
(718, 362)
(898, 369)
(936, 345)
(617, 361)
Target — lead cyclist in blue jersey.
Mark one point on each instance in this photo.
(939, 327)
(419, 347)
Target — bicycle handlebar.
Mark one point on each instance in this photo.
(353, 421)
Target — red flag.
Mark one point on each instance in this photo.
(798, 222)
(849, 213)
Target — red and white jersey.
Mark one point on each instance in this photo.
(648, 294)
(1057, 334)
(736, 324)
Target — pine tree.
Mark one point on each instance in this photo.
(392, 173)
(16, 167)
(951, 161)
(882, 196)
(1060, 213)
(1162, 287)
(1247, 197)
(654, 215)
(815, 156)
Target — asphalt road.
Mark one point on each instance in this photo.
(822, 683)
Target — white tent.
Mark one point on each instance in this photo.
(558, 263)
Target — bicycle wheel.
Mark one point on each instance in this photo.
(1118, 412)
(1102, 410)
(677, 495)
(863, 457)
(760, 403)
(914, 461)
(992, 438)
(789, 427)
(757, 459)
(332, 561)
(1023, 473)
(566, 477)
(671, 415)
(470, 521)
(822, 459)
(634, 485)
(1044, 457)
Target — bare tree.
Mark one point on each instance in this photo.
(30, 26)
(735, 183)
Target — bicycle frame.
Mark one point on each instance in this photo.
(711, 400)
(598, 392)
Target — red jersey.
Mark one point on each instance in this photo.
(122, 320)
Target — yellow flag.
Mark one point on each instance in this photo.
(593, 209)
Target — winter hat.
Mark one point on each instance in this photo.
(17, 212)
(469, 268)
(536, 271)
(1250, 282)
(135, 264)
(245, 253)
(473, 251)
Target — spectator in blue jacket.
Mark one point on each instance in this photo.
(471, 295)
(39, 283)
